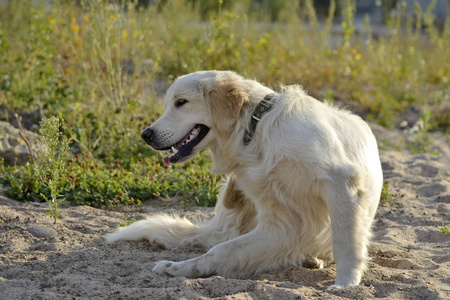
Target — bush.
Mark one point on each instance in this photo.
(87, 182)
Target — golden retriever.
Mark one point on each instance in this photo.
(302, 186)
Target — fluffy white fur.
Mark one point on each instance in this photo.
(302, 192)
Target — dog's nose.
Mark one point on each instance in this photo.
(147, 134)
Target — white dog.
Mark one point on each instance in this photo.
(304, 179)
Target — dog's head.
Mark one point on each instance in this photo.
(199, 109)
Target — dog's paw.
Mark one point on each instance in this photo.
(161, 267)
(347, 278)
(313, 263)
(182, 269)
(338, 286)
(193, 242)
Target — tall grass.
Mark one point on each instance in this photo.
(103, 67)
(109, 56)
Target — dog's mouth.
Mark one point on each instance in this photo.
(184, 147)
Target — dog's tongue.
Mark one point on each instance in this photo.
(166, 160)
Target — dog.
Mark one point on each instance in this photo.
(303, 179)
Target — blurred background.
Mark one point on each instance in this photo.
(102, 67)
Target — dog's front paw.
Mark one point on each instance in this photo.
(343, 284)
(162, 266)
(347, 278)
(183, 268)
(336, 287)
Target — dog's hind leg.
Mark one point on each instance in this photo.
(350, 224)
(272, 244)
(234, 216)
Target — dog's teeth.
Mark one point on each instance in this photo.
(174, 150)
(191, 137)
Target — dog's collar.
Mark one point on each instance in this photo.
(263, 106)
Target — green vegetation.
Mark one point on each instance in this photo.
(102, 69)
(386, 199)
(444, 229)
(422, 142)
(90, 182)
(51, 164)
(127, 222)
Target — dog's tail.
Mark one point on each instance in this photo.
(167, 230)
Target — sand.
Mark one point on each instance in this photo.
(410, 256)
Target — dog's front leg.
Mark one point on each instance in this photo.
(350, 230)
(253, 252)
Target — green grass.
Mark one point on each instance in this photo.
(127, 222)
(444, 229)
(98, 69)
(89, 182)
(386, 199)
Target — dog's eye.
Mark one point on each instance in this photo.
(180, 102)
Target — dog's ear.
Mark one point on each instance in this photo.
(224, 97)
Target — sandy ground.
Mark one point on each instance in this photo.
(410, 257)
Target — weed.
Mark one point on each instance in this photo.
(444, 229)
(203, 195)
(386, 198)
(421, 130)
(383, 144)
(50, 165)
(127, 222)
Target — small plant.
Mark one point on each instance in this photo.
(421, 130)
(51, 164)
(444, 229)
(127, 222)
(386, 198)
(204, 194)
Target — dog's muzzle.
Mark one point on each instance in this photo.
(147, 135)
(179, 150)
